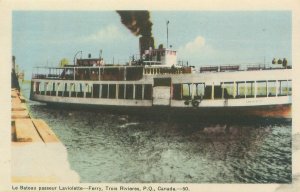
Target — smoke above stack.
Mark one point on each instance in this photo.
(138, 22)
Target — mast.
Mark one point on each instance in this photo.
(168, 34)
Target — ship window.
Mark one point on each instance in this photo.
(88, 90)
(218, 92)
(284, 87)
(73, 92)
(66, 87)
(33, 86)
(42, 88)
(177, 90)
(104, 91)
(271, 88)
(112, 91)
(138, 91)
(96, 90)
(193, 89)
(148, 91)
(200, 87)
(37, 86)
(121, 91)
(79, 90)
(129, 91)
(49, 88)
(66, 92)
(241, 89)
(228, 91)
(207, 92)
(196, 89)
(261, 89)
(53, 92)
(250, 89)
(60, 87)
(186, 91)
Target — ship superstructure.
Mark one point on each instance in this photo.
(156, 80)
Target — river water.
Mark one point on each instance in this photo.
(110, 147)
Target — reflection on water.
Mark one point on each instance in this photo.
(107, 147)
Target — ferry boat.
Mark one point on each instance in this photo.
(156, 82)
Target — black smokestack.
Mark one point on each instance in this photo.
(138, 22)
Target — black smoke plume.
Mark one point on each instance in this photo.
(138, 22)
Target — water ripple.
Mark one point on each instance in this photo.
(104, 147)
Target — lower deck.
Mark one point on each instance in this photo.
(254, 97)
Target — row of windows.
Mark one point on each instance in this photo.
(246, 89)
(259, 88)
(112, 91)
(183, 91)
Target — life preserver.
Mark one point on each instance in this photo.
(195, 103)
(186, 102)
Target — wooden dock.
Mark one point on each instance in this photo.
(37, 153)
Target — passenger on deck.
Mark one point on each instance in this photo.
(63, 74)
(102, 62)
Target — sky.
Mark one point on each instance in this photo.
(43, 38)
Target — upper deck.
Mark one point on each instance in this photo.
(137, 72)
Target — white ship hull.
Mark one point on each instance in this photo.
(264, 93)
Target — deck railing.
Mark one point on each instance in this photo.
(242, 67)
(123, 73)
